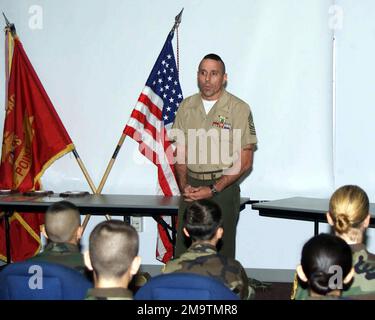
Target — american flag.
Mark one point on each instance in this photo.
(153, 114)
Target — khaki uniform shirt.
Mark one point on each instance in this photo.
(227, 114)
(109, 294)
(203, 259)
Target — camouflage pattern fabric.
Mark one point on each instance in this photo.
(229, 203)
(364, 275)
(66, 254)
(109, 294)
(203, 259)
(364, 269)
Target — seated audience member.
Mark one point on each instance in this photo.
(203, 224)
(326, 266)
(349, 217)
(62, 228)
(112, 255)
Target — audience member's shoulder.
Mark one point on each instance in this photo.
(171, 266)
(327, 297)
(368, 296)
(229, 261)
(370, 257)
(362, 256)
(109, 294)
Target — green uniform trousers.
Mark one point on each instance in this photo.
(229, 202)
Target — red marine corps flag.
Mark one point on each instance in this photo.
(34, 137)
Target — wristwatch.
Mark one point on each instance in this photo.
(214, 191)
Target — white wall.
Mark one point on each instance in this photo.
(93, 58)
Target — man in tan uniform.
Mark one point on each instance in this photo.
(214, 148)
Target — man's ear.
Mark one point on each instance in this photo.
(186, 233)
(329, 219)
(349, 277)
(301, 274)
(79, 233)
(86, 258)
(43, 230)
(134, 267)
(219, 233)
(225, 79)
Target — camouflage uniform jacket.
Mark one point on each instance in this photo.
(203, 259)
(364, 275)
(109, 294)
(66, 254)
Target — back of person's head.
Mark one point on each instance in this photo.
(63, 222)
(202, 219)
(324, 259)
(348, 209)
(113, 245)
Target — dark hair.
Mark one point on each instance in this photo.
(62, 220)
(112, 247)
(201, 219)
(215, 57)
(61, 206)
(319, 255)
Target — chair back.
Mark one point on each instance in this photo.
(184, 286)
(30, 280)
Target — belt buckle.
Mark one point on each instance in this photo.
(214, 175)
(205, 176)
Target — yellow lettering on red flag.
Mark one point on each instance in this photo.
(34, 137)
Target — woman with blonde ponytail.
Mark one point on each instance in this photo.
(349, 213)
(349, 216)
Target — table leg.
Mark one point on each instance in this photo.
(7, 236)
(174, 232)
(316, 228)
(127, 220)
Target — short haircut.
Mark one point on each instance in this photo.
(215, 57)
(319, 255)
(201, 219)
(112, 247)
(348, 207)
(62, 220)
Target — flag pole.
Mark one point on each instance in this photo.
(11, 27)
(91, 184)
(84, 171)
(105, 176)
(177, 20)
(123, 136)
(111, 162)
